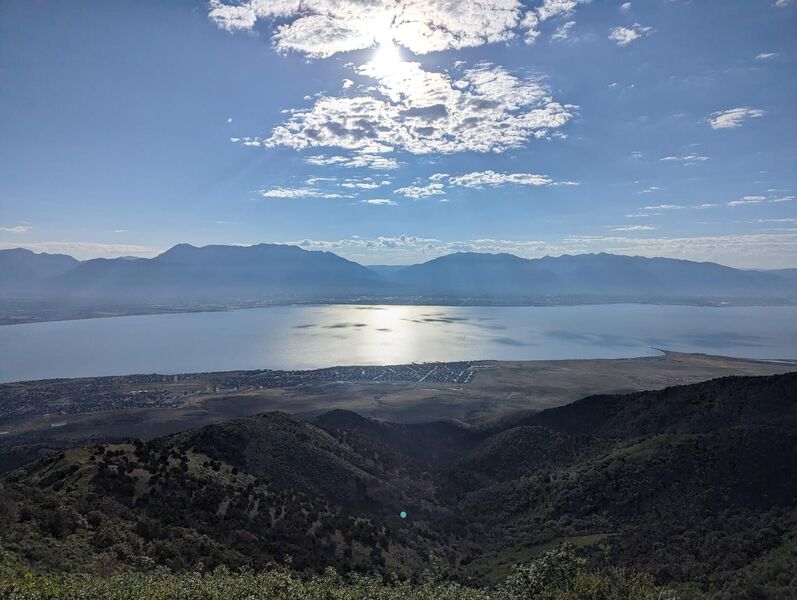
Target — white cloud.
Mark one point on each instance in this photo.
(744, 250)
(747, 200)
(703, 206)
(480, 179)
(416, 192)
(688, 159)
(364, 183)
(625, 6)
(300, 192)
(322, 28)
(766, 55)
(379, 202)
(17, 229)
(358, 161)
(563, 32)
(87, 250)
(556, 8)
(635, 228)
(547, 10)
(782, 3)
(649, 190)
(761, 250)
(623, 36)
(734, 117)
(664, 207)
(487, 110)
(347, 83)
(783, 199)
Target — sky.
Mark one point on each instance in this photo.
(395, 131)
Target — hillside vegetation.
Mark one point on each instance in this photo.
(694, 485)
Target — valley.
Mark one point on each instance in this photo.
(642, 480)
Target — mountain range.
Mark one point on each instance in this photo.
(274, 272)
(692, 484)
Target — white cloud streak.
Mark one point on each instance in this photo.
(734, 117)
(299, 192)
(417, 192)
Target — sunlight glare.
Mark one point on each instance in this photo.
(387, 56)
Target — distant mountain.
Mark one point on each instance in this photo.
(694, 484)
(386, 271)
(217, 273)
(21, 268)
(597, 275)
(276, 272)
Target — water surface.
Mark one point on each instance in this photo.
(307, 337)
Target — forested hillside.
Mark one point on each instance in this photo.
(694, 485)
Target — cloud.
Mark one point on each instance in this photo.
(16, 229)
(556, 8)
(481, 179)
(761, 250)
(347, 83)
(623, 36)
(688, 160)
(379, 202)
(322, 28)
(359, 161)
(563, 32)
(87, 250)
(664, 207)
(649, 190)
(766, 55)
(410, 248)
(625, 6)
(416, 192)
(486, 110)
(365, 183)
(747, 200)
(782, 3)
(782, 199)
(300, 192)
(734, 117)
(744, 250)
(547, 10)
(635, 228)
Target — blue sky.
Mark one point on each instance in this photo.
(393, 131)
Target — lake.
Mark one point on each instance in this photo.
(307, 337)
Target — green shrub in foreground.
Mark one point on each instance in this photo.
(558, 575)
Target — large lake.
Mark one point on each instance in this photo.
(306, 337)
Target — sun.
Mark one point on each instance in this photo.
(387, 56)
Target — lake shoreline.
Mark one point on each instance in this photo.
(15, 312)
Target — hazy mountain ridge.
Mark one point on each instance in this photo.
(277, 272)
(586, 274)
(21, 267)
(653, 474)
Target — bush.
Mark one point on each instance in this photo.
(558, 575)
